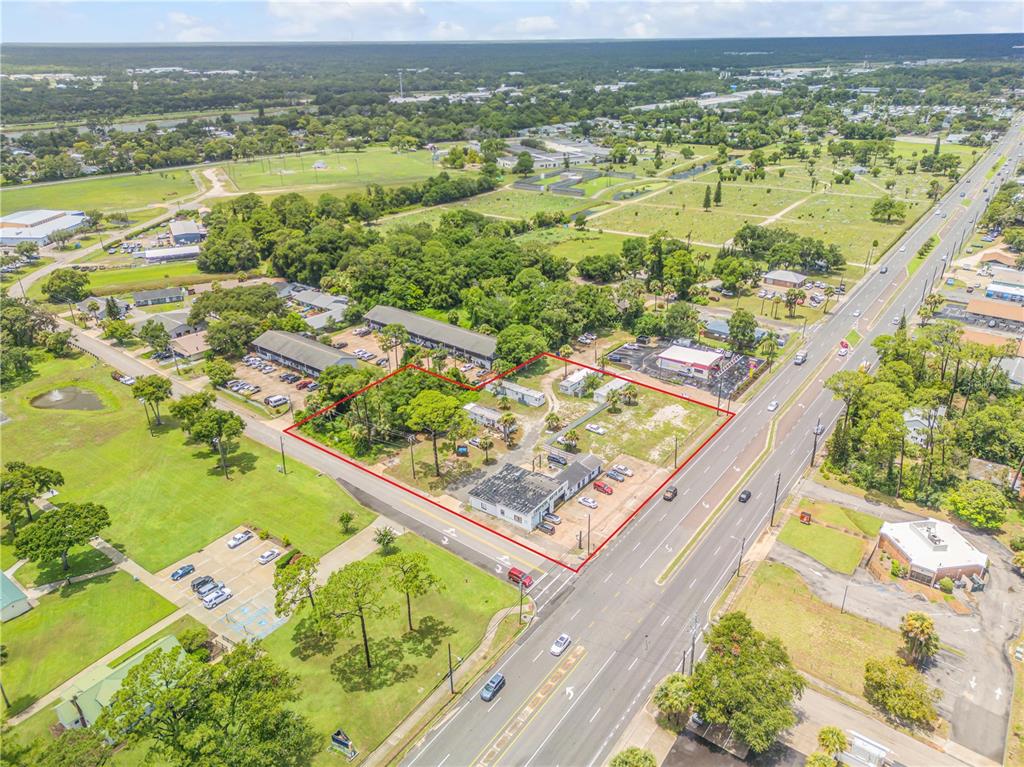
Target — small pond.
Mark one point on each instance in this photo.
(68, 398)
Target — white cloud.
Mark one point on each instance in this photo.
(312, 19)
(190, 29)
(535, 25)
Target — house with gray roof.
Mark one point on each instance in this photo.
(13, 601)
(161, 296)
(478, 348)
(175, 323)
(299, 353)
(123, 307)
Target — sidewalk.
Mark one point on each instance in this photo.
(359, 546)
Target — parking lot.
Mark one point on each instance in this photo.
(644, 359)
(267, 377)
(354, 342)
(249, 612)
(957, 312)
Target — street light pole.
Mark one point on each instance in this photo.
(284, 466)
(520, 601)
(775, 501)
(588, 533)
(739, 561)
(451, 673)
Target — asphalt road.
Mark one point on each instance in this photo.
(634, 631)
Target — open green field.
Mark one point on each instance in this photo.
(649, 430)
(714, 226)
(419, 216)
(574, 244)
(836, 550)
(821, 641)
(840, 516)
(517, 203)
(736, 197)
(595, 185)
(338, 691)
(109, 282)
(81, 560)
(154, 484)
(106, 193)
(343, 171)
(71, 628)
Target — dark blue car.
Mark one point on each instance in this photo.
(493, 686)
(182, 571)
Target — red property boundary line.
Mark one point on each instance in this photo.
(291, 431)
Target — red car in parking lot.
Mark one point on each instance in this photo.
(603, 487)
(303, 384)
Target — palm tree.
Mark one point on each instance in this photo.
(631, 393)
(655, 288)
(571, 437)
(771, 346)
(565, 351)
(504, 402)
(832, 741)
(486, 444)
(552, 421)
(829, 293)
(919, 636)
(613, 399)
(507, 422)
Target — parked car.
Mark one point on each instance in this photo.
(615, 475)
(553, 519)
(603, 487)
(216, 598)
(594, 428)
(209, 587)
(182, 571)
(492, 688)
(560, 644)
(303, 383)
(202, 580)
(589, 502)
(744, 496)
(238, 539)
(545, 528)
(624, 470)
(555, 458)
(883, 270)
(268, 556)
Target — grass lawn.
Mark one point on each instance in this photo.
(72, 628)
(737, 197)
(154, 484)
(517, 203)
(337, 689)
(106, 193)
(574, 244)
(714, 226)
(853, 338)
(108, 282)
(827, 644)
(183, 623)
(81, 559)
(648, 430)
(343, 172)
(840, 516)
(595, 185)
(419, 216)
(834, 549)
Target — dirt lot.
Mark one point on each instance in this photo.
(250, 611)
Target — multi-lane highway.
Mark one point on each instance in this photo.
(629, 629)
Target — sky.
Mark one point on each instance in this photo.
(215, 21)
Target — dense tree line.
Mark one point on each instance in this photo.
(962, 395)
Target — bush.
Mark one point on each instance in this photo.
(194, 642)
(1017, 544)
(897, 570)
(946, 584)
(264, 534)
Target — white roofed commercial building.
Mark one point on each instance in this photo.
(185, 232)
(177, 253)
(931, 549)
(38, 225)
(696, 362)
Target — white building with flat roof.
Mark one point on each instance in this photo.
(700, 363)
(38, 225)
(931, 549)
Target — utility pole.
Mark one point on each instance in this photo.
(588, 533)
(284, 466)
(451, 672)
(842, 609)
(775, 501)
(675, 451)
(739, 561)
(520, 601)
(814, 450)
(412, 456)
